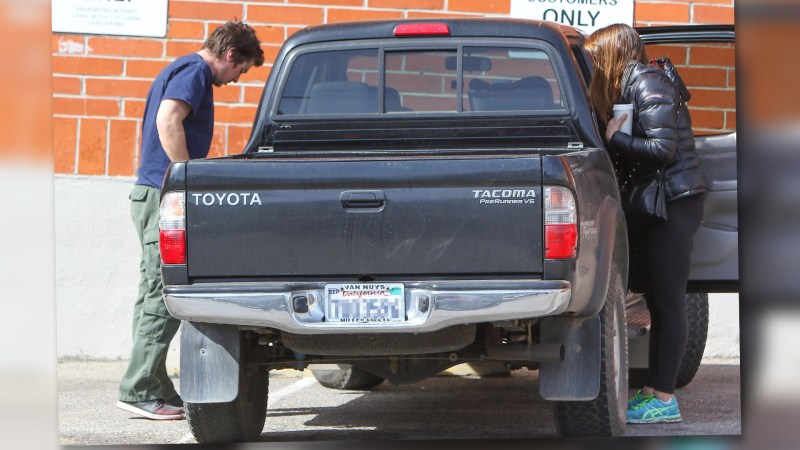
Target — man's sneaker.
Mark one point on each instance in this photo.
(636, 399)
(152, 409)
(176, 401)
(653, 410)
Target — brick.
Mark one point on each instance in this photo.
(285, 15)
(144, 68)
(133, 109)
(732, 78)
(229, 114)
(218, 142)
(237, 139)
(712, 14)
(436, 15)
(186, 29)
(678, 54)
(714, 98)
(481, 6)
(117, 87)
(122, 147)
(252, 94)
(713, 56)
(707, 118)
(730, 120)
(661, 12)
(346, 15)
(126, 47)
(269, 34)
(68, 44)
(86, 66)
(180, 48)
(66, 85)
(65, 133)
(407, 4)
(92, 147)
(206, 10)
(325, 2)
(229, 94)
(704, 77)
(80, 106)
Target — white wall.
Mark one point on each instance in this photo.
(97, 270)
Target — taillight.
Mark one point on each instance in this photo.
(560, 223)
(421, 29)
(172, 228)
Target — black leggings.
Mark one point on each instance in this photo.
(660, 262)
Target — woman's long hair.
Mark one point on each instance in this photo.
(611, 48)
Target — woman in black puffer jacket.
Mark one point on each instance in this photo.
(660, 249)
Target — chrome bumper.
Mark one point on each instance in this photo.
(430, 305)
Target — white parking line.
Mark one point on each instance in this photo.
(273, 399)
(289, 390)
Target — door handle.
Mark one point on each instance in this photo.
(363, 200)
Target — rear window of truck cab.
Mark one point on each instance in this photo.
(379, 81)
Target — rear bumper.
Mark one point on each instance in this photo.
(448, 303)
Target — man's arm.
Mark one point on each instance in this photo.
(169, 122)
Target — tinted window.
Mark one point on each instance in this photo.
(349, 82)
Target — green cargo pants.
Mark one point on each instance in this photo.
(153, 327)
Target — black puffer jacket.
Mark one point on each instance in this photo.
(662, 134)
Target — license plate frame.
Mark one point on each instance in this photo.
(365, 303)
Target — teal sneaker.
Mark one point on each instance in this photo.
(636, 399)
(653, 410)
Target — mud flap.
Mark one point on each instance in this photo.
(577, 377)
(210, 356)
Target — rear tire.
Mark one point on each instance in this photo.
(347, 377)
(241, 420)
(606, 415)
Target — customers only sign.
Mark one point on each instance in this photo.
(588, 15)
(113, 17)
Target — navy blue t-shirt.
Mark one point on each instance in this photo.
(188, 79)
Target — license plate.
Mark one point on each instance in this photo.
(365, 303)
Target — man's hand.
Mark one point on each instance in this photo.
(169, 122)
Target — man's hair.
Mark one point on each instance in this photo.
(238, 36)
(610, 49)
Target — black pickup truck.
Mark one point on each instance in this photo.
(414, 195)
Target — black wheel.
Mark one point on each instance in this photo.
(697, 313)
(346, 377)
(241, 420)
(605, 415)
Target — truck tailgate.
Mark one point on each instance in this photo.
(354, 217)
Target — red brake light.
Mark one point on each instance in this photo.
(560, 223)
(172, 228)
(173, 246)
(421, 29)
(561, 241)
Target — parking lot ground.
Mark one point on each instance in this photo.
(455, 405)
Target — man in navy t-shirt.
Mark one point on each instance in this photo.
(178, 125)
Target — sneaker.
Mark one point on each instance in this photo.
(176, 401)
(653, 410)
(152, 409)
(636, 399)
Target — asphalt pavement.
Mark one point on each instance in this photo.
(454, 405)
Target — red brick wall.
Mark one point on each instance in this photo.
(100, 82)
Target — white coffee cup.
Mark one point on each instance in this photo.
(625, 108)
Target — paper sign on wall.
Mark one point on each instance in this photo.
(587, 15)
(113, 17)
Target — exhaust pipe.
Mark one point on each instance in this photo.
(522, 352)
